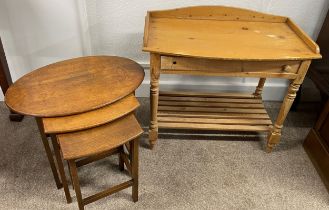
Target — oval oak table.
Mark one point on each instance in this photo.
(71, 87)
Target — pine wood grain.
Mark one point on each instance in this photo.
(203, 99)
(205, 115)
(212, 115)
(226, 42)
(199, 126)
(227, 34)
(220, 66)
(218, 13)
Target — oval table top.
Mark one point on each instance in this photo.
(74, 86)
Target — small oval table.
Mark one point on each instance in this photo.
(71, 87)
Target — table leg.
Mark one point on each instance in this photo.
(49, 154)
(259, 88)
(134, 167)
(155, 63)
(275, 133)
(76, 183)
(61, 168)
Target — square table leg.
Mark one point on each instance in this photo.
(134, 167)
(61, 168)
(49, 154)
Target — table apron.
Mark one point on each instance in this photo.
(209, 67)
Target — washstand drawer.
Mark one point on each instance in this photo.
(225, 66)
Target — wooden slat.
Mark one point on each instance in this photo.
(227, 40)
(200, 94)
(216, 121)
(223, 100)
(208, 109)
(223, 66)
(210, 104)
(213, 127)
(213, 115)
(193, 110)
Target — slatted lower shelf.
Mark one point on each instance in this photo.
(204, 111)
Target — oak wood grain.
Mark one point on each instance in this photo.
(90, 119)
(74, 86)
(99, 139)
(228, 34)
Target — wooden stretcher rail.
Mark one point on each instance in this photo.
(202, 99)
(107, 192)
(212, 115)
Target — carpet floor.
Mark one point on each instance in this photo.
(186, 170)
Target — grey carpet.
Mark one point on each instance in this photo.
(186, 170)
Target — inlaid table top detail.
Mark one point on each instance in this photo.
(74, 86)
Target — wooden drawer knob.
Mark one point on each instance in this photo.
(286, 68)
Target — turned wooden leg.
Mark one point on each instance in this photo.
(134, 168)
(259, 88)
(49, 154)
(61, 168)
(75, 178)
(275, 134)
(154, 98)
(297, 99)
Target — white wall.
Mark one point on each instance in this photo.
(39, 32)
